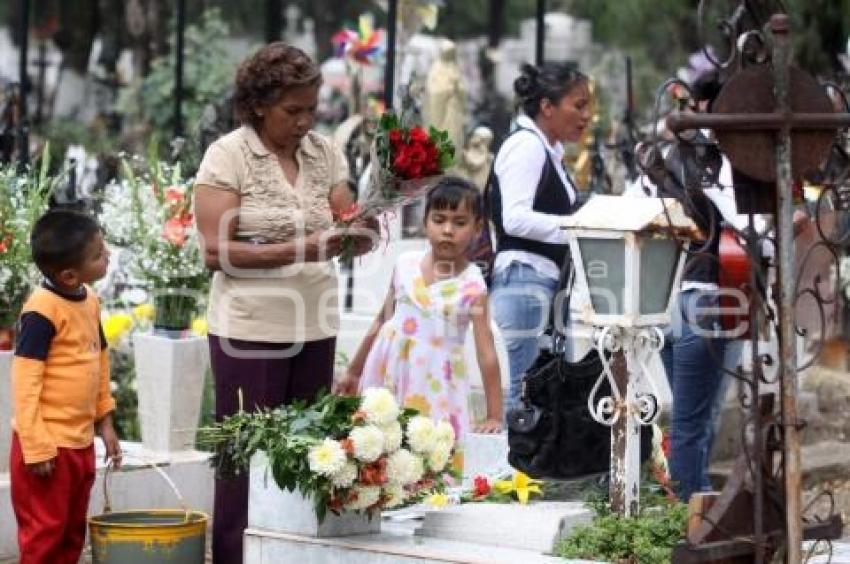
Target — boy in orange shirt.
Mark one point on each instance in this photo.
(60, 382)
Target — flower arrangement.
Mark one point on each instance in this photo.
(518, 487)
(23, 199)
(406, 152)
(348, 454)
(149, 212)
(407, 160)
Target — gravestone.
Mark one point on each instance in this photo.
(537, 526)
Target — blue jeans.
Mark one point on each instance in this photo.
(521, 300)
(693, 360)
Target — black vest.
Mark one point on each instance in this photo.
(551, 197)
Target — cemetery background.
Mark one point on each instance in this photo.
(82, 103)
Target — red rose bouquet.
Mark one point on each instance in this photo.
(406, 161)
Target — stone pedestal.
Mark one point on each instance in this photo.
(271, 508)
(537, 526)
(5, 408)
(170, 384)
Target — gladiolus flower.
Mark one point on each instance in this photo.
(175, 232)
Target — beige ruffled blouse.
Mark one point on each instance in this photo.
(290, 304)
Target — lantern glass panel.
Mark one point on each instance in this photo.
(658, 261)
(605, 268)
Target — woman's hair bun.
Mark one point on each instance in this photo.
(525, 84)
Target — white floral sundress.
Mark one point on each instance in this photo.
(418, 353)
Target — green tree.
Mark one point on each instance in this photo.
(821, 29)
(208, 71)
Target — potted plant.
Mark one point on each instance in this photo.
(149, 213)
(333, 464)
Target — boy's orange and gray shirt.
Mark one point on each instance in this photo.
(60, 373)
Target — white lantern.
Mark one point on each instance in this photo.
(629, 252)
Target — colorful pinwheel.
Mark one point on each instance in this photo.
(365, 46)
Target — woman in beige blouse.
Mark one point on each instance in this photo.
(265, 194)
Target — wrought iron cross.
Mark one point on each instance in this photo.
(776, 146)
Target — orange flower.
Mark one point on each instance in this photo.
(358, 416)
(175, 232)
(347, 445)
(173, 195)
(186, 218)
(374, 474)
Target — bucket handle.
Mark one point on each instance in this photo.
(107, 477)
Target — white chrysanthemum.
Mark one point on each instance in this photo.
(404, 467)
(394, 494)
(346, 476)
(392, 436)
(421, 434)
(368, 442)
(439, 457)
(326, 458)
(379, 405)
(445, 434)
(366, 496)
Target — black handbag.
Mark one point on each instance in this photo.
(551, 433)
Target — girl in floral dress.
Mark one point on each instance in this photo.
(415, 346)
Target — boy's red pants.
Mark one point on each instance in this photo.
(51, 512)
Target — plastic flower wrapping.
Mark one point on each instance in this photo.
(350, 454)
(23, 199)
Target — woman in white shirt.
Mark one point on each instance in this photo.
(529, 194)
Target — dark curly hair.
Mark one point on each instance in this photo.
(551, 81)
(266, 75)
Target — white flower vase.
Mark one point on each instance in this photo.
(170, 385)
(274, 509)
(5, 408)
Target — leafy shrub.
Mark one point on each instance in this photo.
(647, 538)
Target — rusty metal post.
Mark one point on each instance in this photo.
(624, 487)
(757, 445)
(785, 273)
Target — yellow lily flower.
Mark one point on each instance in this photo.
(521, 485)
(437, 500)
(199, 327)
(143, 312)
(116, 326)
